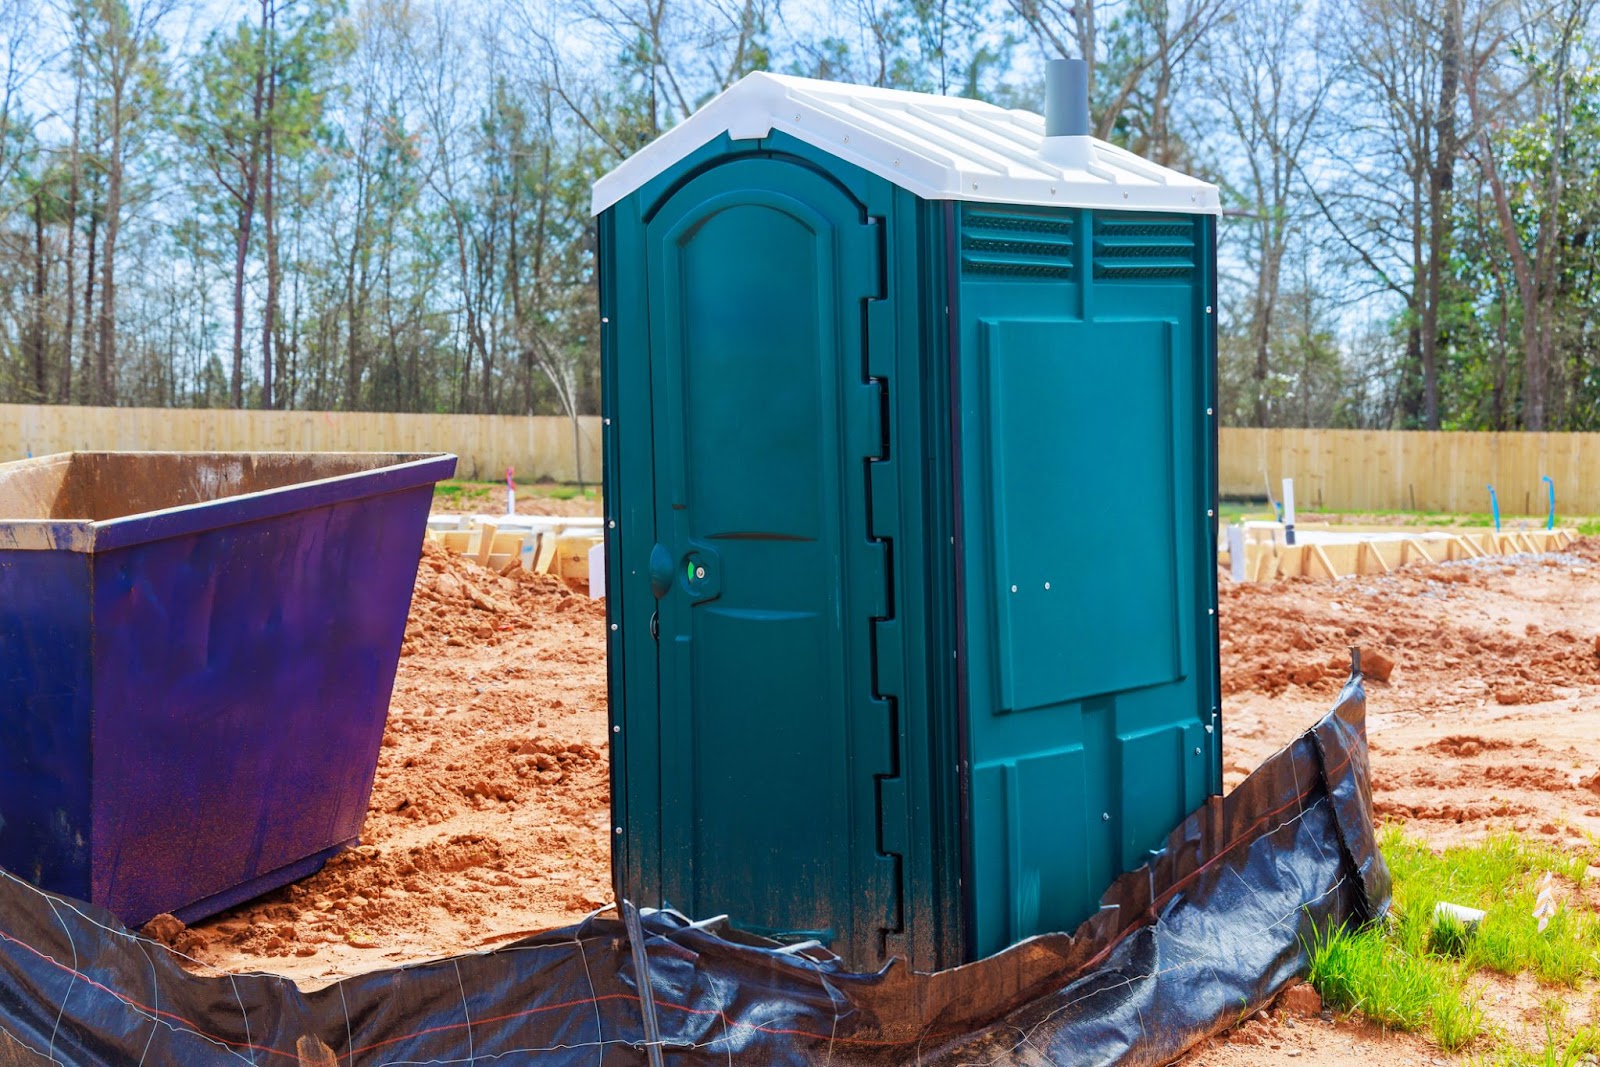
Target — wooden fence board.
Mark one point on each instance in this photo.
(1379, 470)
(538, 446)
(1369, 470)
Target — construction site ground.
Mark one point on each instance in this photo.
(489, 817)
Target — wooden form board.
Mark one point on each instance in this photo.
(1267, 561)
(565, 555)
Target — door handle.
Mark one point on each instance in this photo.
(662, 571)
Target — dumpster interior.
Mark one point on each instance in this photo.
(100, 486)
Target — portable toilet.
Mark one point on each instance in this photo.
(909, 486)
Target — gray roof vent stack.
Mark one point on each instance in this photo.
(1066, 114)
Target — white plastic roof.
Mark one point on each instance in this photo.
(938, 147)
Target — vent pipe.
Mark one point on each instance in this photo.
(1066, 98)
(1066, 114)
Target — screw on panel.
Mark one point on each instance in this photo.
(1124, 196)
(1052, 190)
(1197, 750)
(699, 572)
(1210, 728)
(617, 830)
(1105, 816)
(1047, 585)
(974, 186)
(1208, 309)
(616, 729)
(1210, 411)
(1211, 611)
(608, 422)
(613, 626)
(1013, 589)
(846, 139)
(897, 162)
(1211, 513)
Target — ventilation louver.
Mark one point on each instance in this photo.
(1143, 248)
(1016, 245)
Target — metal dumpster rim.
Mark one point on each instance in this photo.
(90, 536)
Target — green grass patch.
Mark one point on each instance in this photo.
(1364, 971)
(566, 492)
(1561, 1048)
(1415, 974)
(1245, 511)
(1500, 876)
(459, 493)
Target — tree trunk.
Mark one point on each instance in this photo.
(249, 187)
(1263, 338)
(269, 228)
(92, 380)
(105, 349)
(241, 250)
(37, 327)
(64, 389)
(1441, 179)
(270, 308)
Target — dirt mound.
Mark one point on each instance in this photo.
(1464, 747)
(1487, 719)
(458, 604)
(489, 814)
(1297, 633)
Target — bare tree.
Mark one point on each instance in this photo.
(124, 59)
(1271, 88)
(1384, 176)
(1133, 76)
(1552, 32)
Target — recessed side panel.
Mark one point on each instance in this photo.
(1080, 428)
(1083, 389)
(1030, 842)
(1170, 759)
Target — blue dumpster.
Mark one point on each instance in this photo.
(196, 659)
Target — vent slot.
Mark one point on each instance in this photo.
(1144, 248)
(1015, 245)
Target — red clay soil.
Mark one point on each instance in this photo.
(1488, 720)
(489, 815)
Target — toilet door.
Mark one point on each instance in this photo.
(766, 578)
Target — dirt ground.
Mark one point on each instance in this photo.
(489, 816)
(1490, 720)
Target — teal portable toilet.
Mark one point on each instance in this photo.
(910, 488)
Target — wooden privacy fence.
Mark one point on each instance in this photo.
(1344, 469)
(538, 446)
(1395, 470)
